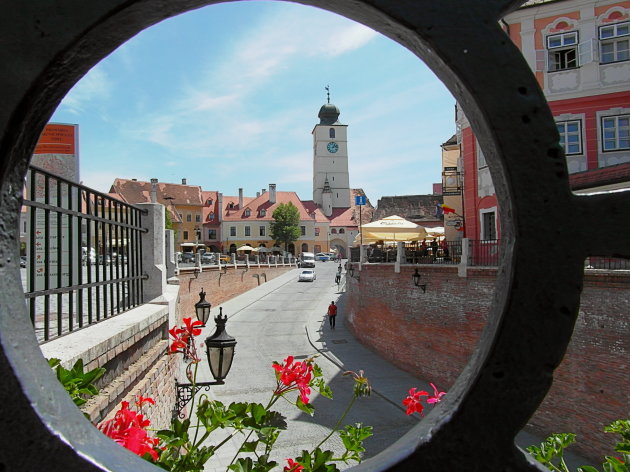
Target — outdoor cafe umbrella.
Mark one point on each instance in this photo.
(246, 247)
(393, 228)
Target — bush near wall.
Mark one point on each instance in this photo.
(432, 335)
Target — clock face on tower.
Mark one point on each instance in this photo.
(332, 147)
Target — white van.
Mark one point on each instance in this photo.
(307, 259)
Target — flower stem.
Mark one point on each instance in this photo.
(336, 427)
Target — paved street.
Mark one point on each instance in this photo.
(285, 317)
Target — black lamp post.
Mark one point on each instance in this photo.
(219, 351)
(416, 281)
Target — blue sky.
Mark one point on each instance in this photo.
(227, 96)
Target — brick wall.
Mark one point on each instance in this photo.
(220, 287)
(433, 334)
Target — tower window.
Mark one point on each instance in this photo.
(331, 132)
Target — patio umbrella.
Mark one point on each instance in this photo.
(393, 228)
(263, 249)
(246, 247)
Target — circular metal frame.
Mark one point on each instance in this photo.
(51, 45)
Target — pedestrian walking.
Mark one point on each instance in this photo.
(332, 314)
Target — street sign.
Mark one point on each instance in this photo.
(360, 200)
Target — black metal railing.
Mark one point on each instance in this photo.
(483, 252)
(606, 263)
(83, 255)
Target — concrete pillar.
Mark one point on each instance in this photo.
(465, 260)
(153, 249)
(169, 247)
(400, 256)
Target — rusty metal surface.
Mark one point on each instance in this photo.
(47, 46)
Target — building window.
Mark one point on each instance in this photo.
(248, 230)
(231, 205)
(248, 212)
(189, 217)
(616, 132)
(570, 136)
(212, 234)
(614, 42)
(261, 231)
(185, 235)
(232, 230)
(331, 132)
(211, 215)
(342, 231)
(303, 230)
(209, 201)
(198, 218)
(489, 227)
(333, 231)
(263, 212)
(181, 217)
(316, 231)
(562, 51)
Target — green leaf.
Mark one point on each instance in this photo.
(249, 446)
(305, 407)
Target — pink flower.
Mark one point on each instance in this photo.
(414, 401)
(293, 376)
(437, 396)
(293, 466)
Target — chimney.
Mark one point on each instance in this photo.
(257, 194)
(134, 180)
(272, 193)
(219, 207)
(183, 181)
(240, 198)
(264, 191)
(154, 183)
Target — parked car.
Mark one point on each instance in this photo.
(188, 257)
(224, 258)
(322, 256)
(307, 275)
(208, 258)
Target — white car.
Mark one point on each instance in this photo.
(307, 275)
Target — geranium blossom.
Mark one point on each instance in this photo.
(294, 375)
(414, 401)
(293, 466)
(183, 339)
(437, 396)
(128, 429)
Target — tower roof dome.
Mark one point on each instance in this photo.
(329, 114)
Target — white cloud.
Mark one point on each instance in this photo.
(94, 87)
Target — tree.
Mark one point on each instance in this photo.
(285, 227)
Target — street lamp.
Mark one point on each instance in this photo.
(416, 281)
(219, 352)
(202, 308)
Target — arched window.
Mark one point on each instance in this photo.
(341, 231)
(304, 247)
(333, 231)
(331, 132)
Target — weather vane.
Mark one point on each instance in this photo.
(328, 92)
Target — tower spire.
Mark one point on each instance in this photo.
(327, 93)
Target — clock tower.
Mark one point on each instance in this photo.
(331, 181)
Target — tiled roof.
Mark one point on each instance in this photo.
(135, 191)
(259, 203)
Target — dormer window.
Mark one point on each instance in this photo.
(248, 212)
(231, 206)
(209, 201)
(263, 212)
(211, 215)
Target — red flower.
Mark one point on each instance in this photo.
(414, 401)
(128, 429)
(142, 400)
(179, 342)
(293, 376)
(437, 396)
(293, 466)
(189, 327)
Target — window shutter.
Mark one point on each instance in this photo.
(587, 52)
(541, 60)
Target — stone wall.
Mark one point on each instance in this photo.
(433, 334)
